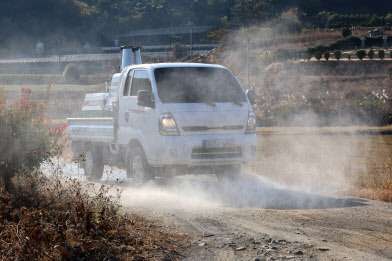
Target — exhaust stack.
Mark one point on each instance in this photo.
(130, 56)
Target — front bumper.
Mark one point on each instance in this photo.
(191, 150)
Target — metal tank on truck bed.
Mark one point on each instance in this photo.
(167, 119)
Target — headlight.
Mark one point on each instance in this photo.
(167, 125)
(251, 126)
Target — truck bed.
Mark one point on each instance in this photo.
(91, 129)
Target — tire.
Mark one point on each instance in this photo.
(93, 166)
(138, 168)
(229, 173)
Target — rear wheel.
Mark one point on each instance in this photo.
(229, 173)
(138, 168)
(93, 166)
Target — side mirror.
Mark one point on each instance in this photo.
(145, 99)
(252, 96)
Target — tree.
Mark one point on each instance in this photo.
(179, 51)
(71, 73)
(337, 54)
(318, 55)
(361, 54)
(370, 54)
(250, 12)
(346, 32)
(327, 55)
(381, 54)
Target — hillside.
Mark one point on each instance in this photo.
(68, 23)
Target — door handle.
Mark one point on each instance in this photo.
(126, 116)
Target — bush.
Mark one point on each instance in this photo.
(327, 55)
(71, 73)
(370, 54)
(337, 54)
(389, 70)
(179, 51)
(27, 137)
(361, 54)
(281, 55)
(307, 56)
(346, 32)
(381, 54)
(318, 55)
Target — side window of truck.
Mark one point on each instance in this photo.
(140, 82)
(128, 83)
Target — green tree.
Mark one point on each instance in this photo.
(250, 12)
(371, 54)
(361, 54)
(71, 73)
(346, 32)
(381, 54)
(337, 54)
(327, 55)
(318, 55)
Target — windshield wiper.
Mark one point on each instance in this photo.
(210, 104)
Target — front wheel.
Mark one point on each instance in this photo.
(93, 166)
(229, 173)
(138, 168)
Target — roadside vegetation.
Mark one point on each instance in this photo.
(45, 216)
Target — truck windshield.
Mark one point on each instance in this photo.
(197, 85)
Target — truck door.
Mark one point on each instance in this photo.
(137, 121)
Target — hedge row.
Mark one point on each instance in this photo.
(348, 43)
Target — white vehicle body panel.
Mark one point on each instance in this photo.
(197, 123)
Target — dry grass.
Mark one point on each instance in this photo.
(330, 160)
(67, 220)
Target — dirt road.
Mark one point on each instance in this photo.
(257, 219)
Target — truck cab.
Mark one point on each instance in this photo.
(170, 119)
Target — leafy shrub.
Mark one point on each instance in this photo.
(337, 54)
(281, 55)
(381, 54)
(361, 54)
(318, 55)
(389, 70)
(179, 51)
(71, 73)
(307, 56)
(27, 137)
(346, 32)
(370, 54)
(327, 55)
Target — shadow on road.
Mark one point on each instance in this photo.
(252, 191)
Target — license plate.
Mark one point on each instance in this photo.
(218, 143)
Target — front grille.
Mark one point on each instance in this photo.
(217, 153)
(206, 128)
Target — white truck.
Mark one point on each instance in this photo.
(167, 119)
